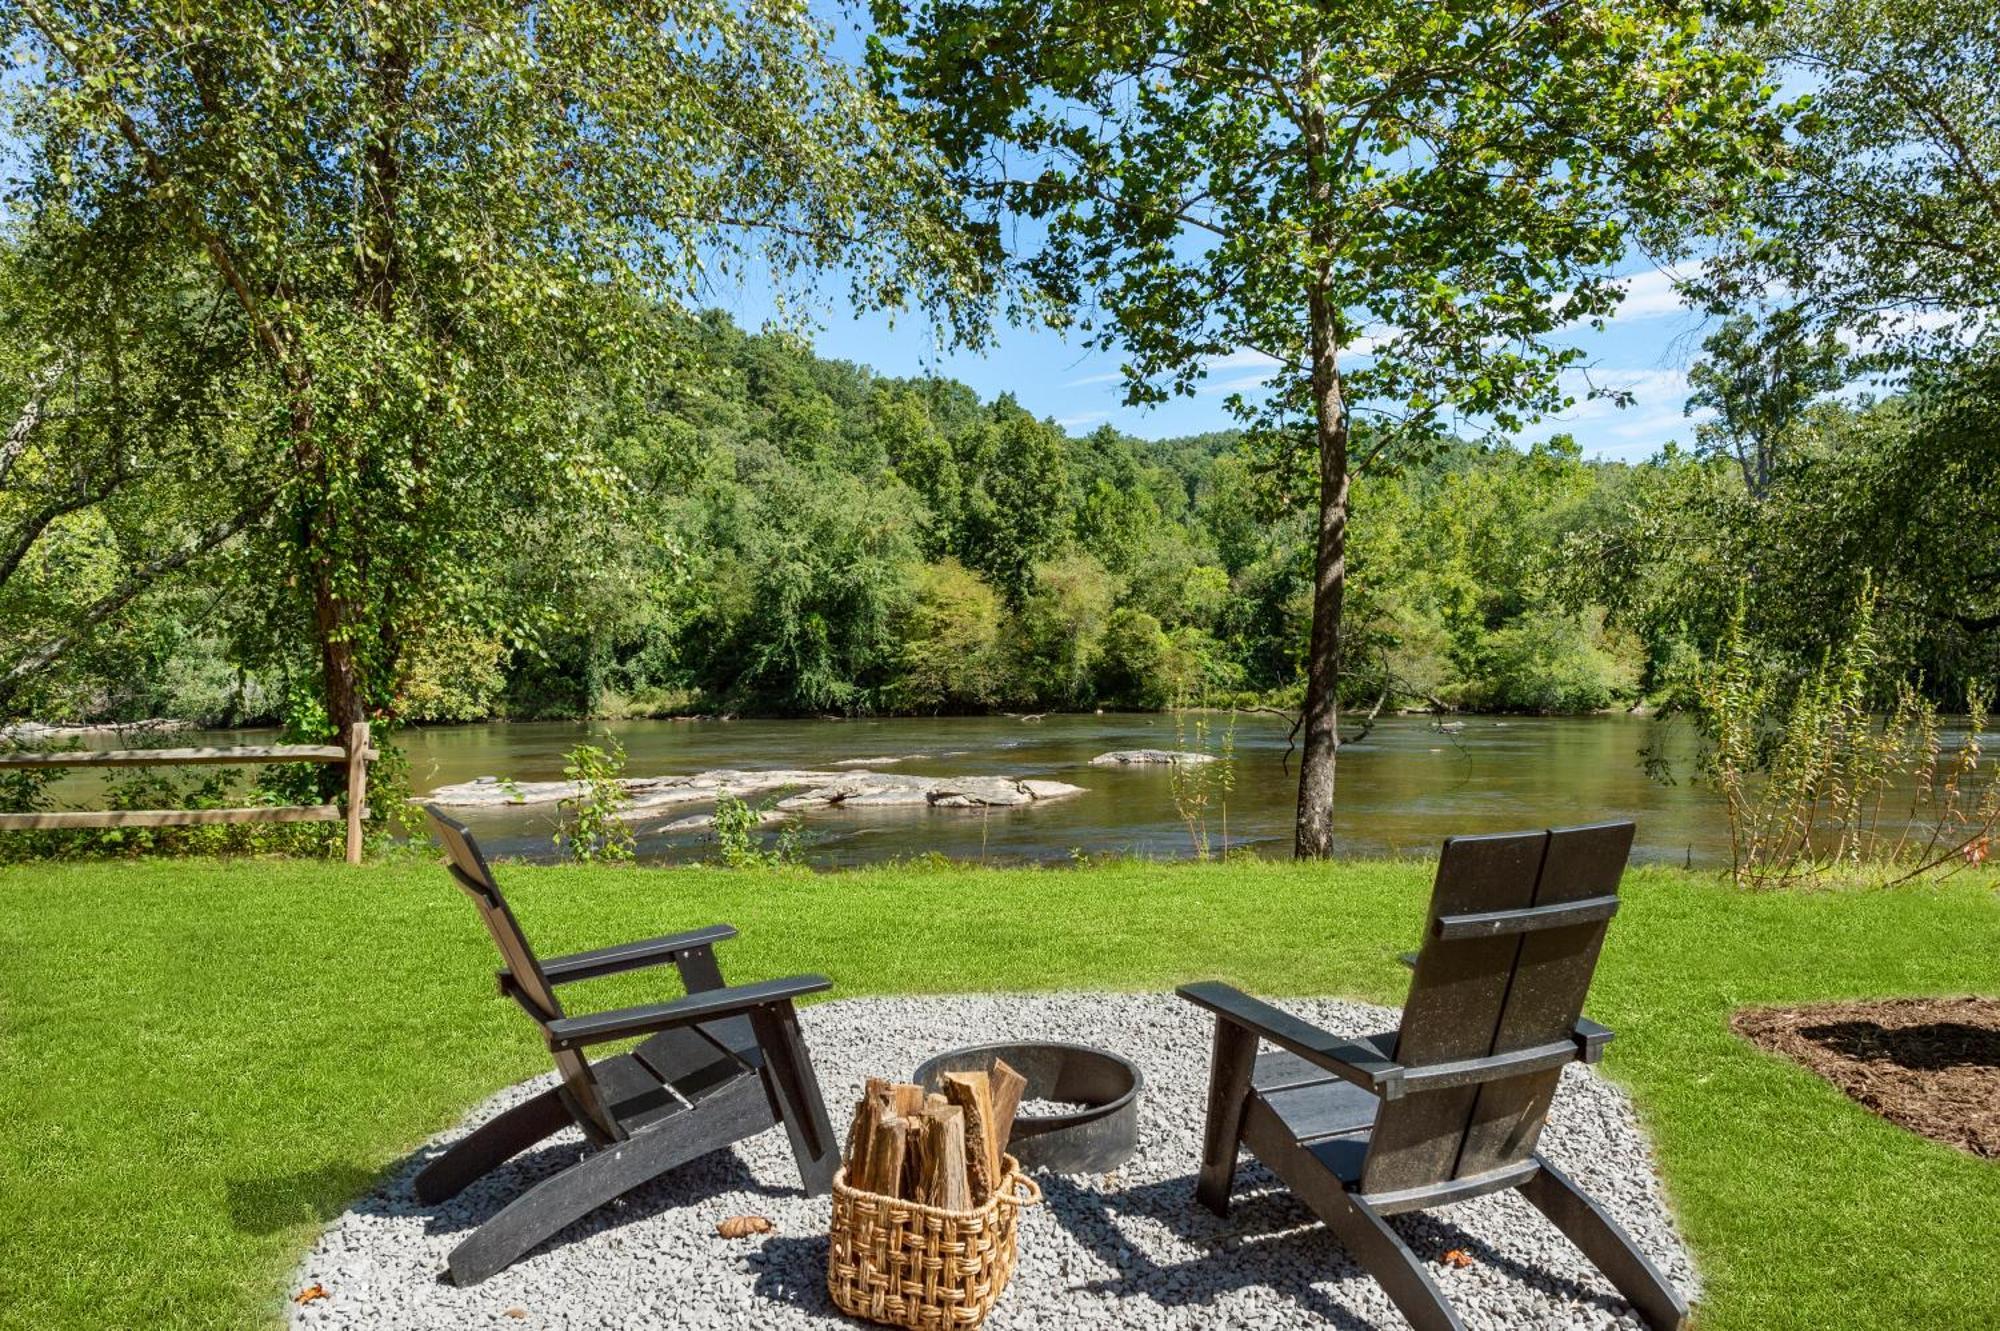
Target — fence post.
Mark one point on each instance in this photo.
(357, 787)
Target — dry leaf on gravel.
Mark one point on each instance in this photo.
(310, 1293)
(743, 1226)
(1457, 1257)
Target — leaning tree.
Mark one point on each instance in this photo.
(431, 224)
(1393, 206)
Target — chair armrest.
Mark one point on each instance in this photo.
(1364, 1062)
(633, 956)
(708, 1005)
(1590, 1040)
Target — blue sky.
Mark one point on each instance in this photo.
(1645, 350)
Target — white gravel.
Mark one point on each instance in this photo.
(1129, 1249)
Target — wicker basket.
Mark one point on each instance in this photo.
(904, 1264)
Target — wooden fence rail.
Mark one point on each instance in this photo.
(355, 755)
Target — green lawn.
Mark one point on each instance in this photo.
(203, 1062)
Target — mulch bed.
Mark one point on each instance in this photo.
(1931, 1065)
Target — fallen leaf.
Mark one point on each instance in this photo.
(743, 1226)
(517, 1311)
(1976, 851)
(1457, 1257)
(310, 1293)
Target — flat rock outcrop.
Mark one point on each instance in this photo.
(866, 790)
(816, 790)
(1143, 757)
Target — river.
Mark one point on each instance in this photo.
(1401, 791)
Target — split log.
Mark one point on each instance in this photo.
(945, 1148)
(861, 1131)
(909, 1099)
(1008, 1088)
(885, 1156)
(972, 1093)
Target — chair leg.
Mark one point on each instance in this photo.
(794, 1090)
(1400, 1272)
(491, 1144)
(1609, 1247)
(598, 1178)
(1229, 1071)
(1380, 1250)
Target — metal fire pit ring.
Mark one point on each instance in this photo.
(1092, 1140)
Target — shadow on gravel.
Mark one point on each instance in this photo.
(692, 1184)
(1270, 1240)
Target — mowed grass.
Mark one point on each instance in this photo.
(202, 1062)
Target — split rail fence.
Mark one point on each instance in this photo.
(355, 756)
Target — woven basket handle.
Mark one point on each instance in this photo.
(1022, 1191)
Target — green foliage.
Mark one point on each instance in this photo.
(416, 250)
(1884, 223)
(1551, 661)
(1060, 634)
(593, 829)
(1810, 767)
(738, 840)
(951, 656)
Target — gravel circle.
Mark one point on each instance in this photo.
(1127, 1249)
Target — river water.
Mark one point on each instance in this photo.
(1401, 791)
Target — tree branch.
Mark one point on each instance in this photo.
(46, 655)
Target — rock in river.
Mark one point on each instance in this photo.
(1133, 757)
(866, 790)
(817, 790)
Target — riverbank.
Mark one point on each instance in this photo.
(208, 1060)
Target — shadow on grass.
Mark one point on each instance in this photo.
(267, 1205)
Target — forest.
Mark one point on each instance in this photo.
(797, 536)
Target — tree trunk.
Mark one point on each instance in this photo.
(1314, 834)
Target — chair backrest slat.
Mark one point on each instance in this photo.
(1551, 981)
(475, 879)
(1515, 926)
(1456, 993)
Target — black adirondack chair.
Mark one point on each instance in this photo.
(718, 1065)
(1450, 1106)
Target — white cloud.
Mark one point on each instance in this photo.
(1605, 429)
(1085, 418)
(1649, 294)
(1092, 380)
(1241, 359)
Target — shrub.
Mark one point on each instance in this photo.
(1551, 661)
(594, 830)
(948, 654)
(1132, 667)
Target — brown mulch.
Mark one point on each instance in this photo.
(1931, 1065)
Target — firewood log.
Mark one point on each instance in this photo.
(861, 1131)
(972, 1094)
(945, 1182)
(885, 1156)
(1008, 1088)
